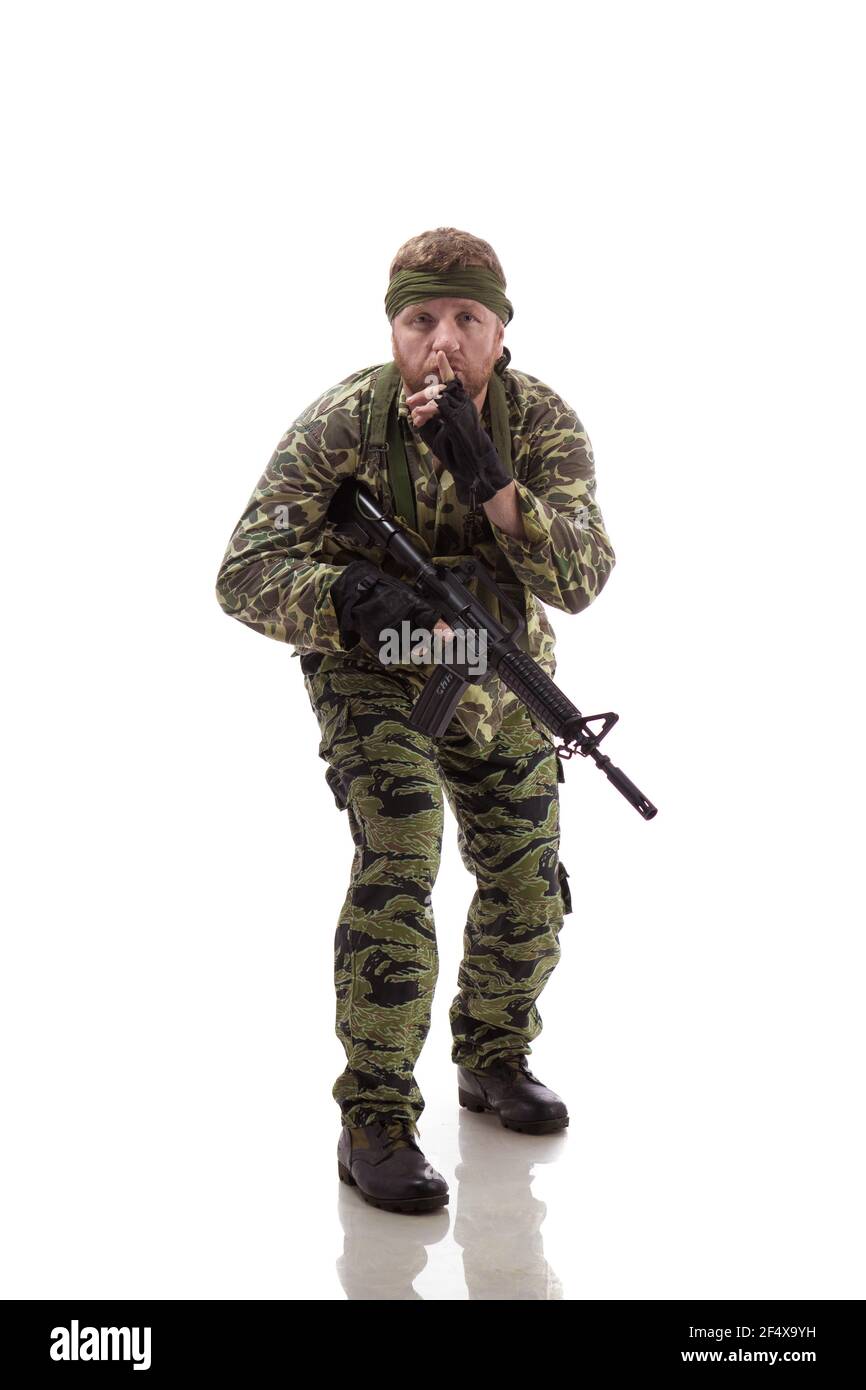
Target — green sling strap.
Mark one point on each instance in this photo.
(385, 434)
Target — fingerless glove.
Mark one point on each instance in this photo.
(457, 437)
(366, 601)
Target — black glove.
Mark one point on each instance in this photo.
(457, 437)
(366, 601)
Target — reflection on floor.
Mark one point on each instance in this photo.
(492, 1217)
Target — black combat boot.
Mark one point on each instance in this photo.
(510, 1090)
(386, 1165)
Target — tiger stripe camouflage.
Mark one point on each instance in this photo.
(392, 781)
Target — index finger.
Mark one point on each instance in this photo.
(445, 371)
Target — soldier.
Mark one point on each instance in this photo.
(475, 459)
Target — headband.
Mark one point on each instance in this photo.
(463, 282)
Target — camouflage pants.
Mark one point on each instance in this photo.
(505, 798)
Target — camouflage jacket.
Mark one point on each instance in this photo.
(283, 556)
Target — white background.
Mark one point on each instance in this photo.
(202, 202)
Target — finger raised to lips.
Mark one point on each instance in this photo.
(431, 391)
(422, 404)
(445, 371)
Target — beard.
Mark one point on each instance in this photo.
(473, 380)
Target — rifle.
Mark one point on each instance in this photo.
(356, 515)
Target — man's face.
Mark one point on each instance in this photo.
(468, 333)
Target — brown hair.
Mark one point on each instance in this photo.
(444, 249)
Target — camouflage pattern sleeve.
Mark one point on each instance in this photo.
(274, 577)
(566, 558)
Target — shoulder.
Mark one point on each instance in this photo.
(538, 406)
(335, 418)
(550, 429)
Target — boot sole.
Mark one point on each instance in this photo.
(525, 1127)
(405, 1204)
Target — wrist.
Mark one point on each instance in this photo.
(498, 491)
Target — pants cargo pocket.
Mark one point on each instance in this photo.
(564, 888)
(335, 782)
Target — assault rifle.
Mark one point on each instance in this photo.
(356, 515)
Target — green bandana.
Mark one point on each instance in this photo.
(463, 282)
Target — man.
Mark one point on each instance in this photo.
(474, 459)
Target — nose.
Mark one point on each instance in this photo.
(445, 340)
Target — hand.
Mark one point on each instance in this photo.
(452, 429)
(423, 650)
(422, 404)
(367, 601)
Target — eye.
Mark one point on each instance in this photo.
(465, 315)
